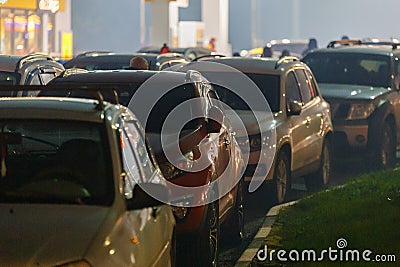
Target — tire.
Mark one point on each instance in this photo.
(235, 223)
(173, 249)
(384, 154)
(281, 179)
(206, 247)
(321, 178)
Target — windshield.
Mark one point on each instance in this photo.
(347, 68)
(267, 83)
(296, 48)
(63, 162)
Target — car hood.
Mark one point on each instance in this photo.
(43, 235)
(239, 118)
(351, 92)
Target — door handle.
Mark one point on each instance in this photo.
(155, 212)
(227, 142)
(308, 121)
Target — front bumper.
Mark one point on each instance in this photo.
(350, 135)
(257, 168)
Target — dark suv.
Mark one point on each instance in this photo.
(301, 119)
(361, 82)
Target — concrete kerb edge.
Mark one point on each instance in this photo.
(251, 251)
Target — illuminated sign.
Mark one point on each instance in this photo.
(50, 5)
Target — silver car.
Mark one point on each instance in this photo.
(75, 180)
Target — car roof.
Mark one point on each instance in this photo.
(255, 64)
(364, 49)
(52, 108)
(119, 59)
(110, 77)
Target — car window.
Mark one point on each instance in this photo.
(130, 163)
(303, 83)
(136, 140)
(312, 83)
(292, 89)
(350, 68)
(47, 77)
(167, 103)
(268, 84)
(63, 162)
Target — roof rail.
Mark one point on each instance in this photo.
(209, 56)
(32, 57)
(98, 92)
(70, 71)
(93, 53)
(343, 42)
(286, 60)
(393, 44)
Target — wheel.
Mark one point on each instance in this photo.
(321, 178)
(384, 154)
(281, 179)
(235, 223)
(206, 247)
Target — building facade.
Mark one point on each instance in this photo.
(30, 26)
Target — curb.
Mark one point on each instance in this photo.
(251, 251)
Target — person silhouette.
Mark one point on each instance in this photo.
(285, 53)
(267, 51)
(138, 63)
(165, 49)
(312, 44)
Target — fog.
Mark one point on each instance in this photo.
(100, 25)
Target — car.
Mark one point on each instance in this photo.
(79, 186)
(295, 48)
(189, 52)
(103, 60)
(361, 83)
(32, 69)
(301, 120)
(198, 220)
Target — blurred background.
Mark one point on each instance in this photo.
(65, 28)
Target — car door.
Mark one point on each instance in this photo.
(312, 117)
(297, 124)
(152, 227)
(225, 167)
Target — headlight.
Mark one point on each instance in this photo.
(170, 171)
(75, 264)
(360, 111)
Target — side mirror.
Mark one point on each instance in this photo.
(142, 198)
(215, 116)
(294, 108)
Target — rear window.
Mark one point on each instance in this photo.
(350, 68)
(269, 86)
(55, 162)
(167, 103)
